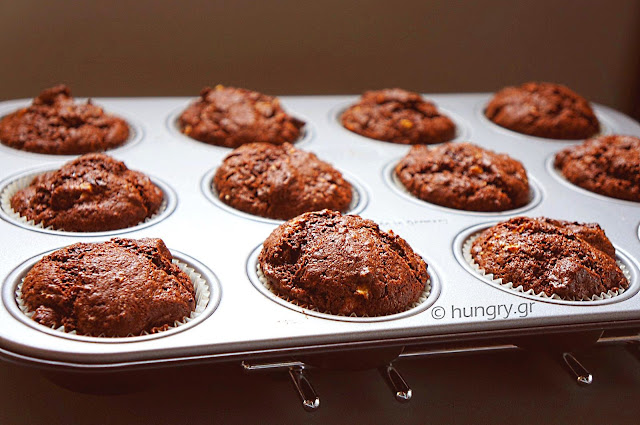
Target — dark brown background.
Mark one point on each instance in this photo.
(156, 48)
(163, 48)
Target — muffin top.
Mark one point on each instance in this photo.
(342, 264)
(55, 124)
(568, 259)
(91, 193)
(464, 176)
(608, 165)
(230, 117)
(545, 110)
(398, 116)
(279, 181)
(117, 288)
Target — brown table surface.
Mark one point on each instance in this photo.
(499, 387)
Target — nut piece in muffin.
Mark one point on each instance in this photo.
(55, 124)
(465, 177)
(545, 110)
(608, 165)
(574, 261)
(230, 117)
(91, 193)
(398, 116)
(117, 288)
(279, 181)
(342, 264)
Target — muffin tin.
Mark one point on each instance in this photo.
(242, 321)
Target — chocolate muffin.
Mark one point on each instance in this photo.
(55, 124)
(398, 116)
(554, 257)
(342, 264)
(545, 110)
(117, 288)
(608, 165)
(465, 177)
(230, 117)
(279, 181)
(92, 193)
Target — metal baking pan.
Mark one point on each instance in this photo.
(245, 321)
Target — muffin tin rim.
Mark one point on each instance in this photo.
(133, 140)
(168, 192)
(10, 283)
(605, 125)
(557, 175)
(434, 294)
(206, 186)
(463, 129)
(390, 178)
(308, 131)
(621, 255)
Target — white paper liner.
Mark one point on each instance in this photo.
(201, 286)
(263, 279)
(466, 253)
(22, 182)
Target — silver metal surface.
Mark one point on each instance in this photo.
(259, 367)
(578, 371)
(308, 396)
(246, 322)
(396, 382)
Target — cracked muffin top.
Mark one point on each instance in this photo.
(608, 165)
(119, 288)
(55, 124)
(464, 176)
(230, 117)
(92, 193)
(569, 259)
(398, 116)
(279, 181)
(342, 264)
(545, 110)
